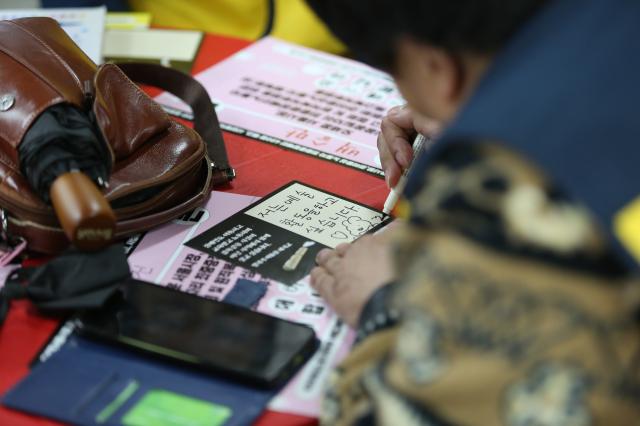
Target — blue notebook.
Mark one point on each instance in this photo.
(89, 383)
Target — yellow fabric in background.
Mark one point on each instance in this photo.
(626, 226)
(294, 21)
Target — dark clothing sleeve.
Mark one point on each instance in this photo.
(378, 314)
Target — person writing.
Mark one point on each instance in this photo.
(508, 295)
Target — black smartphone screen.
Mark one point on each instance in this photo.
(215, 335)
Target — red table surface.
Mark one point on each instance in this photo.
(261, 168)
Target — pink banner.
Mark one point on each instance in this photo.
(302, 99)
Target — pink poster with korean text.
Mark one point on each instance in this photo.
(301, 99)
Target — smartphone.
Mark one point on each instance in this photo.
(219, 337)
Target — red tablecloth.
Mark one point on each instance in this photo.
(260, 168)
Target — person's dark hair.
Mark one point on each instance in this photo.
(370, 28)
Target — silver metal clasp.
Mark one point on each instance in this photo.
(4, 225)
(6, 102)
(10, 247)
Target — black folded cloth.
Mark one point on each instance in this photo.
(73, 280)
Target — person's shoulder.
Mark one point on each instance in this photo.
(503, 200)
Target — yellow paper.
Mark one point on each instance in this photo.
(627, 227)
(128, 20)
(152, 44)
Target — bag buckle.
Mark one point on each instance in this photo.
(10, 247)
(230, 173)
(222, 175)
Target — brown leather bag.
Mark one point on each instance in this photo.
(161, 169)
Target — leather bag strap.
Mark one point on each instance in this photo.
(205, 119)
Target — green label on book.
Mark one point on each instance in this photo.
(163, 408)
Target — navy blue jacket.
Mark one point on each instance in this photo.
(565, 93)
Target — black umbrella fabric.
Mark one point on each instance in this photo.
(64, 158)
(73, 280)
(61, 140)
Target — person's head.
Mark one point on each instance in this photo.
(436, 49)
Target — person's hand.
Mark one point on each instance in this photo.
(349, 275)
(398, 130)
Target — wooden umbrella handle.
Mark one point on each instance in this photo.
(84, 213)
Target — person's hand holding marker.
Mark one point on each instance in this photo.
(399, 129)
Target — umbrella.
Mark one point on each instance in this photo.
(65, 159)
